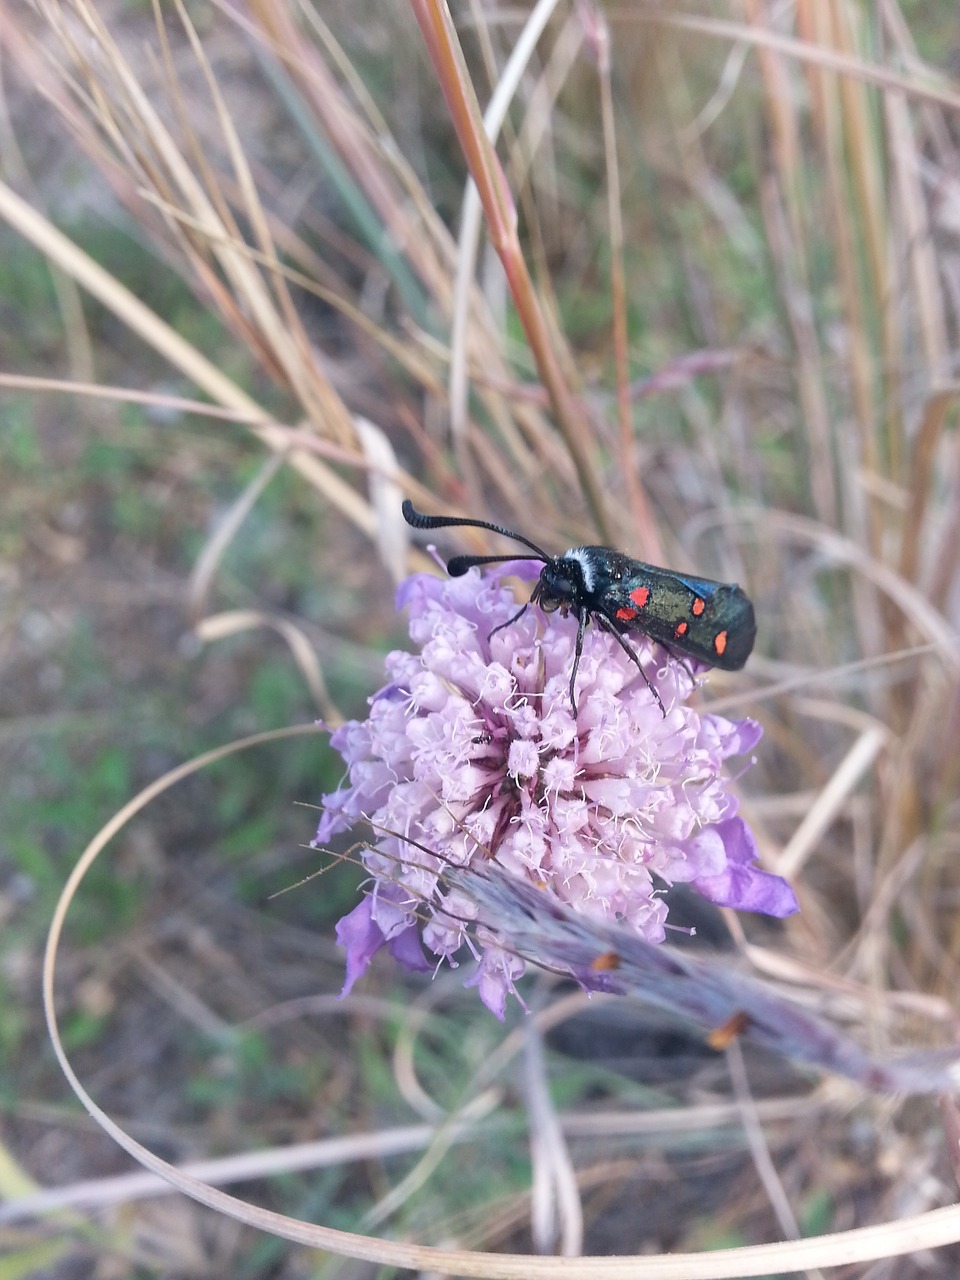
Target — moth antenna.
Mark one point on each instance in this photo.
(457, 566)
(417, 520)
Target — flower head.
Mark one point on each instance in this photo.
(471, 752)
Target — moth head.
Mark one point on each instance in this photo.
(560, 585)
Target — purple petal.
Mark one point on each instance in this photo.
(743, 885)
(735, 737)
(494, 978)
(336, 816)
(361, 938)
(390, 693)
(418, 591)
(525, 570)
(405, 948)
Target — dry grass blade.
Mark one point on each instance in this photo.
(925, 88)
(638, 506)
(386, 495)
(470, 220)
(208, 234)
(207, 563)
(443, 45)
(184, 356)
(557, 1211)
(220, 625)
(843, 780)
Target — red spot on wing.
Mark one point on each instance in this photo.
(640, 596)
(681, 630)
(720, 642)
(698, 607)
(626, 615)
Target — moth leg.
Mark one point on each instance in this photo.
(509, 622)
(582, 615)
(634, 657)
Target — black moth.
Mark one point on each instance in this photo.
(710, 621)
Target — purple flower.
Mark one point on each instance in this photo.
(471, 753)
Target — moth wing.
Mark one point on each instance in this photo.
(710, 621)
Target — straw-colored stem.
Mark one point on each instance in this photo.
(447, 58)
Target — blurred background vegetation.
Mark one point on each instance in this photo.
(229, 281)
